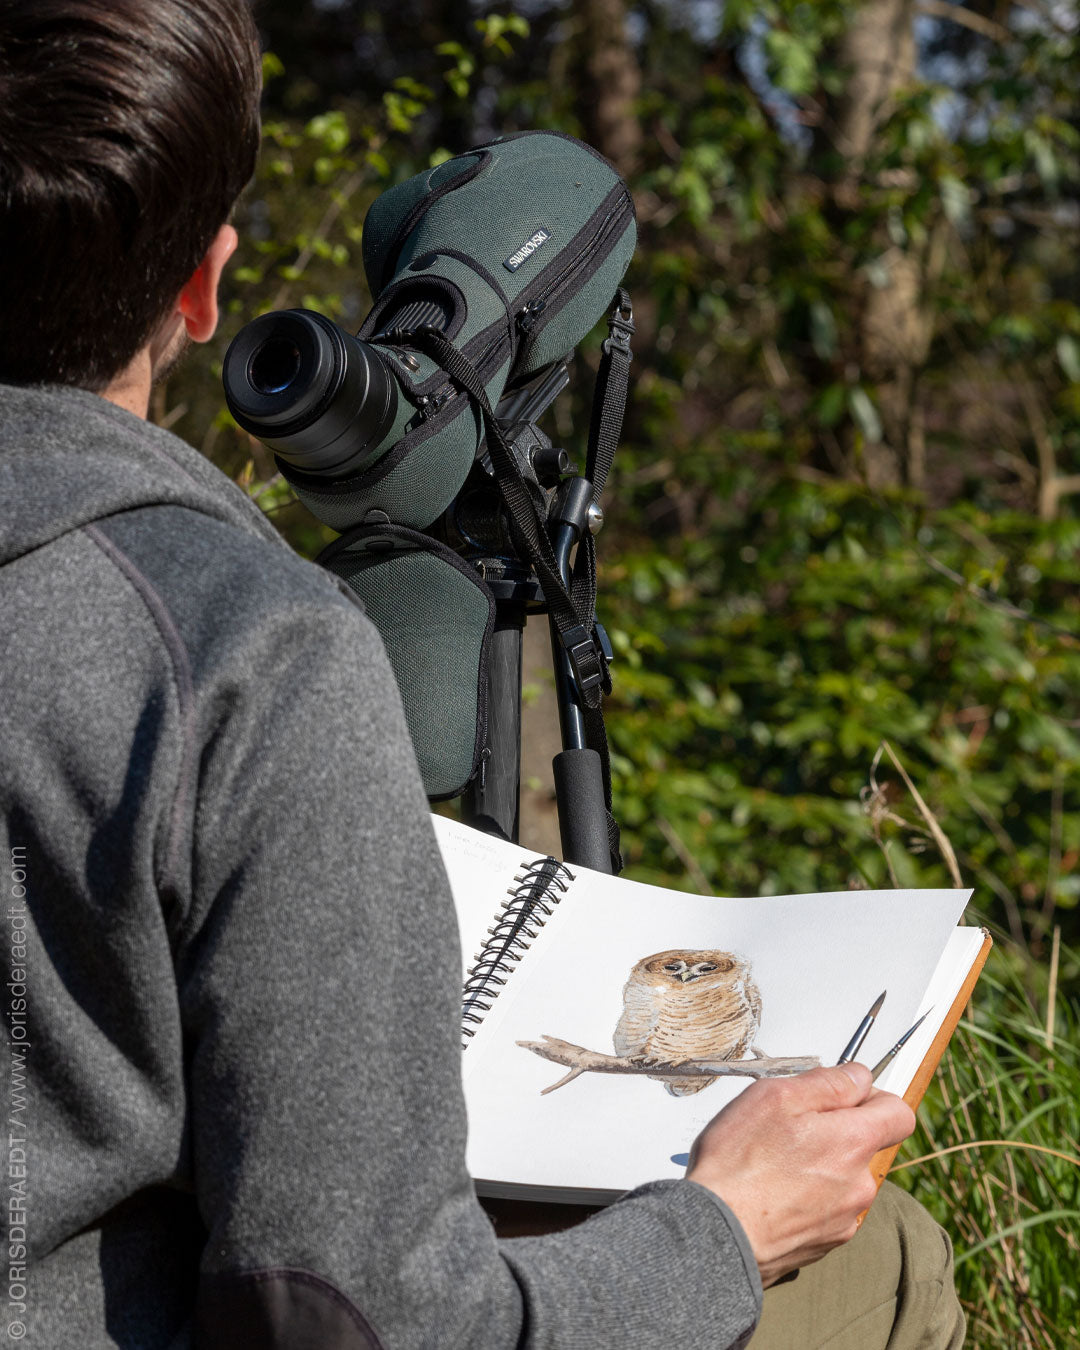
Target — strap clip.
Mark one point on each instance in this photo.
(604, 642)
(620, 327)
(586, 658)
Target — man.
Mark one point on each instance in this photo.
(245, 1123)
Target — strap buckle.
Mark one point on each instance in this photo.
(604, 642)
(586, 658)
(620, 327)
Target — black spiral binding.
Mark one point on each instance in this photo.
(539, 889)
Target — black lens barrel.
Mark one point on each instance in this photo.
(322, 399)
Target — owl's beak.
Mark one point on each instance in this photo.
(685, 975)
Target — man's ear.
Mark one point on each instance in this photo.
(199, 299)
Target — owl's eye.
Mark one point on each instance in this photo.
(675, 966)
(706, 966)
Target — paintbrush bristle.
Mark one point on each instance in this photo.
(912, 1030)
(877, 1004)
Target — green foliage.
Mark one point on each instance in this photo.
(767, 659)
(1006, 1101)
(497, 29)
(781, 281)
(458, 76)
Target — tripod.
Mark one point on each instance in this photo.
(477, 524)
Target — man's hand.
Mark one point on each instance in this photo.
(791, 1157)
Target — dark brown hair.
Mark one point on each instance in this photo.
(127, 130)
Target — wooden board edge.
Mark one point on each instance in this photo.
(881, 1162)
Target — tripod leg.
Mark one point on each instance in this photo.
(579, 777)
(492, 803)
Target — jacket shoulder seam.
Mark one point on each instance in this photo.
(180, 666)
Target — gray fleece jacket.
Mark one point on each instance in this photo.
(235, 1115)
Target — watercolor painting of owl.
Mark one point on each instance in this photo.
(683, 1005)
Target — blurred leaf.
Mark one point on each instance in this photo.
(822, 330)
(955, 199)
(792, 61)
(1068, 353)
(864, 413)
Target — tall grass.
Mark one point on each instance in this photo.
(996, 1158)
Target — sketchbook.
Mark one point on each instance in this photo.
(606, 1021)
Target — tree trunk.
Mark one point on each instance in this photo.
(609, 81)
(879, 53)
(893, 327)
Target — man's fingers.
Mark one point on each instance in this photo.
(830, 1089)
(877, 1119)
(888, 1117)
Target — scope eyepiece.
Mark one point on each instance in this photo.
(274, 366)
(322, 399)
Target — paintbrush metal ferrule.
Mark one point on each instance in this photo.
(889, 1056)
(853, 1046)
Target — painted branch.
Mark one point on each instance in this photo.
(579, 1060)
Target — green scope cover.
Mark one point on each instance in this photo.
(435, 616)
(515, 250)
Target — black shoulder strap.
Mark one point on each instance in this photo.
(572, 607)
(609, 404)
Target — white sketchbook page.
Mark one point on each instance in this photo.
(945, 984)
(481, 870)
(819, 961)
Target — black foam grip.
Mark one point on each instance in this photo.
(579, 789)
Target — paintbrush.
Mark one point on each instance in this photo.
(888, 1058)
(852, 1047)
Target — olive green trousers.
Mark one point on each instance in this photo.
(889, 1288)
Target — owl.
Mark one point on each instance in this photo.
(683, 1005)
